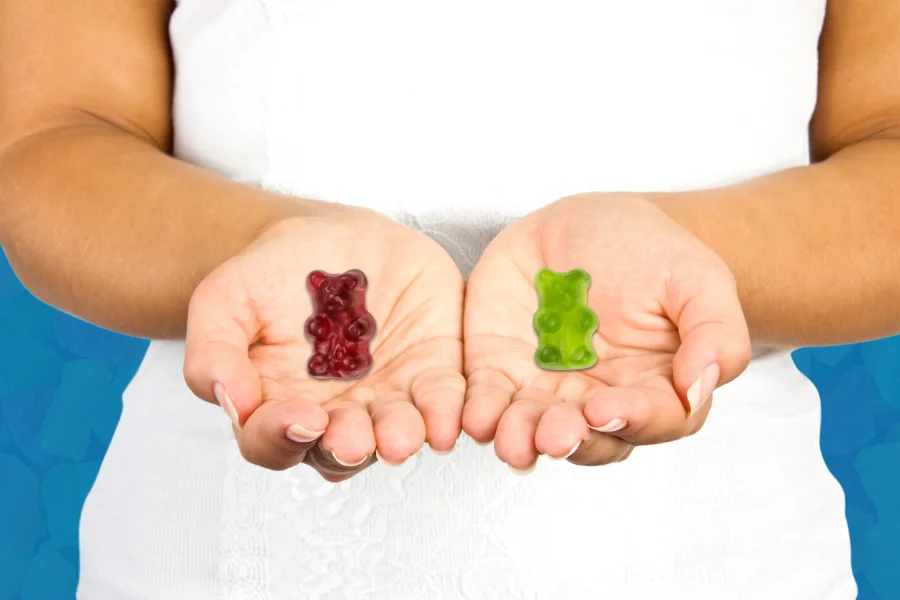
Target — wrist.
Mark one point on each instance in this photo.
(260, 212)
(710, 216)
(678, 206)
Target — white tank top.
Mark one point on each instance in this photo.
(456, 118)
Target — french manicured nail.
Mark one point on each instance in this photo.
(703, 387)
(523, 472)
(612, 426)
(444, 452)
(346, 464)
(625, 453)
(225, 402)
(571, 452)
(298, 434)
(388, 463)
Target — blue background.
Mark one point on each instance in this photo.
(61, 384)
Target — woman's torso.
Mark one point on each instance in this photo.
(455, 119)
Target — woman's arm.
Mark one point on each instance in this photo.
(816, 250)
(95, 217)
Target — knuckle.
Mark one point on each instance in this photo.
(695, 424)
(660, 430)
(260, 459)
(600, 460)
(249, 455)
(598, 451)
(335, 476)
(192, 369)
(741, 350)
(626, 452)
(678, 429)
(647, 431)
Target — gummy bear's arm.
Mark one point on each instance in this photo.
(95, 218)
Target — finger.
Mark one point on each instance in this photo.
(561, 430)
(698, 419)
(349, 440)
(439, 395)
(273, 437)
(488, 395)
(564, 433)
(217, 366)
(514, 442)
(715, 341)
(399, 428)
(651, 414)
(600, 449)
(323, 462)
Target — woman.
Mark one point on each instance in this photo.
(175, 172)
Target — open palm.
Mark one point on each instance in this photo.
(247, 349)
(670, 330)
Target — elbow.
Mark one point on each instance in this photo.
(21, 170)
(11, 197)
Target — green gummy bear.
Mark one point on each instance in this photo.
(563, 321)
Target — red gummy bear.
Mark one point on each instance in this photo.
(340, 327)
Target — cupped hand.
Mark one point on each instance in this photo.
(246, 347)
(670, 330)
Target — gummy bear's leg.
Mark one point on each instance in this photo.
(318, 366)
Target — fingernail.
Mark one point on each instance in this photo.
(298, 434)
(523, 472)
(703, 387)
(388, 463)
(225, 402)
(444, 452)
(571, 452)
(482, 444)
(625, 453)
(346, 464)
(612, 426)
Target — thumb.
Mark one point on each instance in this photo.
(217, 365)
(715, 341)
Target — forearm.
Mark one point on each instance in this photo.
(103, 225)
(815, 250)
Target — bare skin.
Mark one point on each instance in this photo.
(126, 245)
(667, 308)
(98, 220)
(826, 270)
(246, 333)
(813, 253)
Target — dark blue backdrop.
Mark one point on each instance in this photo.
(61, 384)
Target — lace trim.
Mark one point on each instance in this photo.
(244, 564)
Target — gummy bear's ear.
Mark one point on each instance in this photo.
(545, 277)
(315, 279)
(355, 279)
(578, 277)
